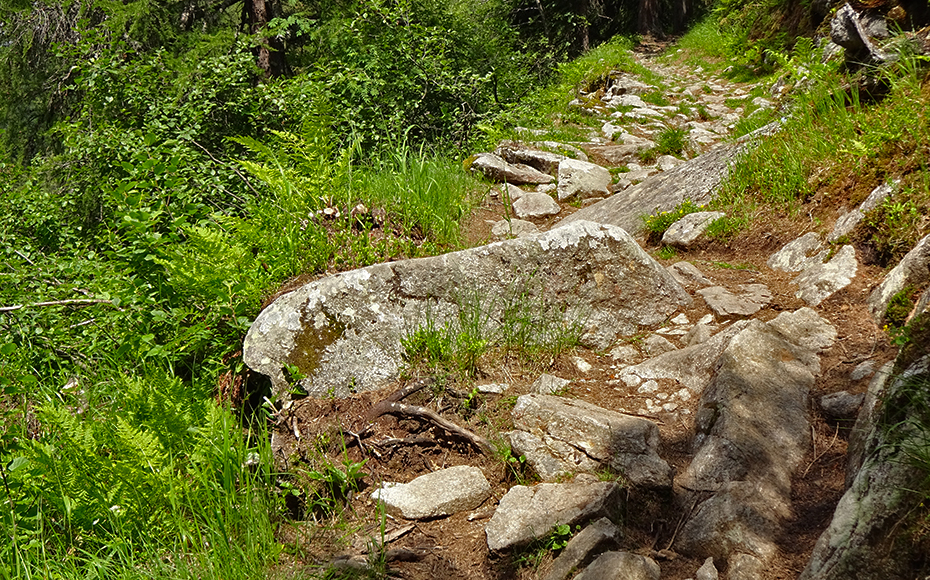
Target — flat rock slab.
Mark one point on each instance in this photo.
(798, 254)
(621, 566)
(689, 228)
(725, 304)
(528, 513)
(560, 436)
(344, 332)
(820, 281)
(696, 180)
(496, 169)
(848, 221)
(440, 493)
(544, 161)
(688, 275)
(752, 433)
(548, 384)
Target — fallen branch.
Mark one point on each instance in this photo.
(73, 302)
(409, 390)
(387, 407)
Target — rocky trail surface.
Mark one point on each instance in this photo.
(699, 431)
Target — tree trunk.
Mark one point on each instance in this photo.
(269, 54)
(648, 22)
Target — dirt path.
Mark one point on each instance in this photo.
(708, 108)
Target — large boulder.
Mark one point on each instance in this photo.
(696, 180)
(527, 513)
(868, 536)
(559, 436)
(912, 271)
(752, 432)
(496, 169)
(343, 333)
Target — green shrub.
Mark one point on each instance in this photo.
(656, 225)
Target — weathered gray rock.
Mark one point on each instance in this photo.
(820, 281)
(697, 180)
(621, 566)
(580, 179)
(544, 161)
(752, 433)
(691, 366)
(865, 421)
(913, 270)
(688, 275)
(667, 162)
(655, 345)
(527, 513)
(725, 304)
(496, 169)
(564, 149)
(799, 254)
(689, 228)
(707, 571)
(700, 334)
(493, 388)
(516, 228)
(805, 328)
(549, 384)
(343, 332)
(598, 537)
(862, 370)
(849, 220)
(626, 85)
(510, 193)
(745, 567)
(855, 32)
(625, 353)
(436, 494)
(559, 436)
(841, 406)
(535, 205)
(860, 541)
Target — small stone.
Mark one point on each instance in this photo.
(798, 255)
(655, 345)
(624, 353)
(631, 380)
(669, 407)
(820, 281)
(600, 536)
(581, 365)
(706, 319)
(436, 494)
(680, 319)
(689, 228)
(688, 275)
(862, 370)
(699, 334)
(549, 384)
(707, 571)
(535, 205)
(513, 228)
(648, 387)
(527, 513)
(842, 405)
(621, 566)
(752, 298)
(493, 388)
(510, 191)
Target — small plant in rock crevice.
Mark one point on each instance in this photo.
(657, 224)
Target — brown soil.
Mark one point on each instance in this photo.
(455, 547)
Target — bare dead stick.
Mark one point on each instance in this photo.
(409, 390)
(73, 302)
(393, 408)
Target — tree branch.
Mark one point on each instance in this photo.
(74, 302)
